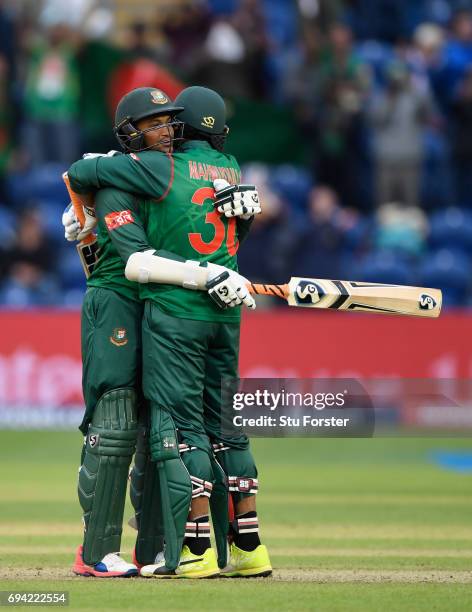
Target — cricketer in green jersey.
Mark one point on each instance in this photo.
(188, 342)
(116, 419)
(107, 277)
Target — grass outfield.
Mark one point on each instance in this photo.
(350, 524)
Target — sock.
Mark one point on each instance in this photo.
(246, 531)
(197, 534)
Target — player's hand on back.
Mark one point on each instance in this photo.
(72, 228)
(228, 288)
(111, 153)
(236, 200)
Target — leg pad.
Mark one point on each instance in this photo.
(103, 475)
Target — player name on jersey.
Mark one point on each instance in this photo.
(207, 172)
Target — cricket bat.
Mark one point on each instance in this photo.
(356, 296)
(310, 292)
(88, 247)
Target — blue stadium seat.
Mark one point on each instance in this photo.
(436, 181)
(222, 7)
(73, 298)
(452, 229)
(377, 55)
(293, 184)
(282, 21)
(71, 273)
(15, 295)
(51, 214)
(448, 270)
(44, 182)
(7, 226)
(356, 237)
(384, 267)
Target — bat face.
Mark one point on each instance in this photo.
(368, 297)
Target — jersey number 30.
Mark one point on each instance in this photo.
(213, 218)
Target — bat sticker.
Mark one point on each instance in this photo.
(93, 440)
(307, 292)
(427, 302)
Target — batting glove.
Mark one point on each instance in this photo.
(72, 228)
(228, 288)
(71, 224)
(111, 153)
(236, 200)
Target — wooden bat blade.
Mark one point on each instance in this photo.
(367, 297)
(89, 253)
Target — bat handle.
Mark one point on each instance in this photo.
(277, 290)
(78, 209)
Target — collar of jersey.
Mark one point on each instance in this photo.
(195, 144)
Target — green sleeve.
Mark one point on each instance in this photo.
(119, 213)
(148, 173)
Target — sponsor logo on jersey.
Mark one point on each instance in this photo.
(135, 157)
(158, 97)
(119, 218)
(118, 338)
(208, 122)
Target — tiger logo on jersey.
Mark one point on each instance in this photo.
(118, 338)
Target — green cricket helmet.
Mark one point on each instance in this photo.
(138, 104)
(204, 115)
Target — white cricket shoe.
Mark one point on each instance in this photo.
(111, 566)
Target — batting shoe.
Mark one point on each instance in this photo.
(190, 566)
(157, 560)
(111, 566)
(248, 564)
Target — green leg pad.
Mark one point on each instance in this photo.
(176, 495)
(146, 499)
(103, 475)
(174, 481)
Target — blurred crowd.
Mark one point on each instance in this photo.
(353, 118)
